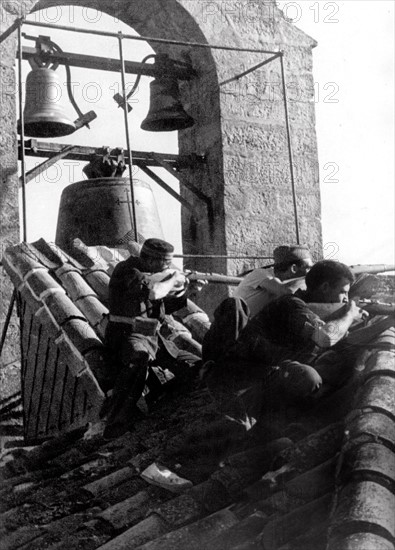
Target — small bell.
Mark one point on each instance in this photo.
(166, 112)
(44, 114)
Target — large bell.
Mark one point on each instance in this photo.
(166, 112)
(98, 211)
(44, 113)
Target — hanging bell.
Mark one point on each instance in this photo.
(44, 114)
(166, 112)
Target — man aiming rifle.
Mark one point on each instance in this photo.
(142, 291)
(287, 353)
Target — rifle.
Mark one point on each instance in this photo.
(213, 278)
(327, 312)
(231, 280)
(371, 268)
(375, 307)
(356, 269)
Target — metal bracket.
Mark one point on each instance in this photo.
(104, 165)
(85, 119)
(7, 321)
(47, 164)
(83, 153)
(181, 71)
(199, 194)
(17, 23)
(167, 188)
(120, 101)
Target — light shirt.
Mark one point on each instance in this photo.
(252, 289)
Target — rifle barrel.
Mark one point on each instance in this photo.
(230, 280)
(371, 268)
(214, 278)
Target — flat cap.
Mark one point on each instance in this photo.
(156, 248)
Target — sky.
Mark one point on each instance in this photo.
(354, 82)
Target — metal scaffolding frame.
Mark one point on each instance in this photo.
(23, 53)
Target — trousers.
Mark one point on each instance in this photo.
(136, 358)
(244, 389)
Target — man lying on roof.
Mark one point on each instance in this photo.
(286, 353)
(264, 284)
(142, 291)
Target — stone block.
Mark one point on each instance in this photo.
(10, 374)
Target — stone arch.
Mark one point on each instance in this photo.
(171, 20)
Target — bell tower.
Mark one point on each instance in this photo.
(236, 100)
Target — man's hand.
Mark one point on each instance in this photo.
(179, 279)
(333, 331)
(166, 282)
(180, 283)
(195, 285)
(356, 312)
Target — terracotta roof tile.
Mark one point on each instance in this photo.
(332, 481)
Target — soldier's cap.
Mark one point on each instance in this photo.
(288, 254)
(156, 248)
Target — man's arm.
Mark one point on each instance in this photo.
(280, 288)
(160, 289)
(333, 331)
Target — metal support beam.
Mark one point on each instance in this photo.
(83, 153)
(7, 321)
(223, 257)
(167, 188)
(127, 133)
(108, 64)
(250, 70)
(22, 123)
(290, 154)
(10, 30)
(199, 194)
(149, 39)
(47, 163)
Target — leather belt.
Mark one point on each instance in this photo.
(120, 319)
(140, 325)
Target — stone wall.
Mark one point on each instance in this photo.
(251, 183)
(240, 127)
(9, 210)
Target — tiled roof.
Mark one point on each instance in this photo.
(315, 479)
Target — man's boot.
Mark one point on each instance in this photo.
(122, 411)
